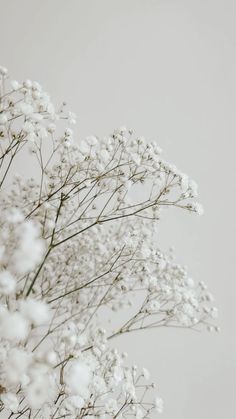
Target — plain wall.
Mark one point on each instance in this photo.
(167, 69)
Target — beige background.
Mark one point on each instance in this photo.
(167, 69)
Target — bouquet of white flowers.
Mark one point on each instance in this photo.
(77, 243)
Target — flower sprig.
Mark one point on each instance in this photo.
(78, 244)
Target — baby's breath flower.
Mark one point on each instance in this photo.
(159, 405)
(78, 241)
(7, 283)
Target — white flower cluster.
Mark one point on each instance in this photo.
(78, 244)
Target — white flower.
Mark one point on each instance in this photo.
(36, 86)
(14, 216)
(84, 148)
(25, 108)
(193, 187)
(214, 312)
(139, 414)
(13, 326)
(37, 312)
(68, 132)
(78, 378)
(51, 110)
(196, 207)
(91, 140)
(72, 118)
(16, 365)
(159, 404)
(73, 402)
(10, 401)
(38, 391)
(32, 137)
(51, 357)
(190, 282)
(146, 374)
(129, 389)
(99, 384)
(104, 155)
(7, 283)
(15, 85)
(184, 182)
(95, 207)
(118, 374)
(51, 128)
(30, 248)
(28, 127)
(27, 84)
